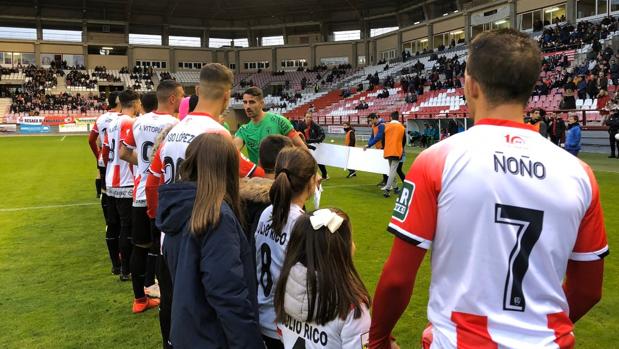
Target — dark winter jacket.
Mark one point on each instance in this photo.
(613, 123)
(316, 134)
(214, 303)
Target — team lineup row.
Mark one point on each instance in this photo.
(242, 273)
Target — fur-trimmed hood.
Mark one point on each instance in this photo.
(255, 190)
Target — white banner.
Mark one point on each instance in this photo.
(370, 160)
(70, 128)
(31, 120)
(331, 155)
(8, 128)
(344, 157)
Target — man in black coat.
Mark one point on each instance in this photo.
(613, 128)
(314, 135)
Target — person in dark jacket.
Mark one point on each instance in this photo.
(350, 140)
(209, 258)
(556, 129)
(613, 128)
(314, 135)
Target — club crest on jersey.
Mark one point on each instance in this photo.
(404, 200)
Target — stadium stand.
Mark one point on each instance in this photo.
(578, 58)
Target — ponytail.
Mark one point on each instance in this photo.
(294, 169)
(281, 196)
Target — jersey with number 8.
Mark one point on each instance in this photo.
(270, 254)
(141, 139)
(503, 209)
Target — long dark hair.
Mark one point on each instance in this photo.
(294, 168)
(333, 283)
(212, 161)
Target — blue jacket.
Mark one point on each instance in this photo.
(214, 302)
(572, 137)
(380, 135)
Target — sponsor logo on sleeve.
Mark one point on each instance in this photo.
(402, 205)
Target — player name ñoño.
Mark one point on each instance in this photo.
(265, 230)
(306, 330)
(180, 137)
(518, 166)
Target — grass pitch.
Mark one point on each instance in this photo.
(56, 289)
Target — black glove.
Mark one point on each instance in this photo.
(311, 147)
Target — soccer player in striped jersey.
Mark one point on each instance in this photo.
(515, 222)
(97, 135)
(119, 177)
(214, 93)
(136, 148)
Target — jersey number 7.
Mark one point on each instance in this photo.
(529, 223)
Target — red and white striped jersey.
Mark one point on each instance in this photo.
(141, 138)
(171, 153)
(100, 127)
(504, 210)
(119, 173)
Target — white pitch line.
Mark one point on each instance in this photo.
(348, 185)
(45, 207)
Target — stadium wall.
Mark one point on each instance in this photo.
(330, 50)
(453, 23)
(194, 55)
(387, 43)
(14, 46)
(110, 62)
(528, 5)
(414, 34)
(106, 38)
(153, 54)
(76, 49)
(287, 53)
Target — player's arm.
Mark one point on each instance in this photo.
(380, 135)
(105, 149)
(288, 130)
(585, 270)
(239, 143)
(127, 143)
(583, 286)
(414, 225)
(296, 139)
(153, 181)
(128, 154)
(394, 291)
(92, 142)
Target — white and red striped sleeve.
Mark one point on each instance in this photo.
(156, 165)
(591, 243)
(126, 133)
(416, 210)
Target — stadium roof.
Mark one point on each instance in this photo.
(228, 16)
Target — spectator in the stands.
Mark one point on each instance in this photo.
(569, 101)
(383, 94)
(411, 98)
(362, 105)
(592, 88)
